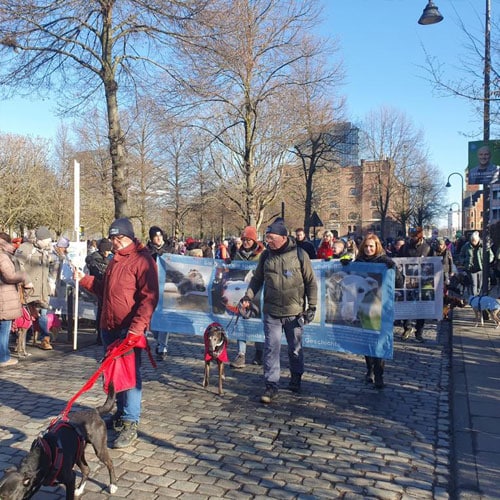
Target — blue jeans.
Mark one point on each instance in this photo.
(273, 329)
(4, 340)
(242, 346)
(128, 403)
(161, 341)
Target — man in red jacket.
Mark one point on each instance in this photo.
(129, 293)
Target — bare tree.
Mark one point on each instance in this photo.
(103, 49)
(240, 77)
(390, 136)
(28, 185)
(96, 173)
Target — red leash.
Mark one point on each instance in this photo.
(116, 352)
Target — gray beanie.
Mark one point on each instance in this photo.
(278, 227)
(121, 227)
(43, 233)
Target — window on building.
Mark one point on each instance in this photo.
(353, 216)
(334, 204)
(353, 192)
(373, 203)
(334, 216)
(376, 214)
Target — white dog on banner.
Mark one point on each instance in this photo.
(353, 289)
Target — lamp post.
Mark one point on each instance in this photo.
(431, 15)
(450, 218)
(448, 185)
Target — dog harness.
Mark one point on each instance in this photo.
(220, 351)
(51, 445)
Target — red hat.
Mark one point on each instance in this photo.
(250, 232)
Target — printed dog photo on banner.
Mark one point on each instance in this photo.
(353, 299)
(186, 284)
(228, 287)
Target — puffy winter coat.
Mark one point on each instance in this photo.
(10, 303)
(36, 262)
(129, 291)
(287, 281)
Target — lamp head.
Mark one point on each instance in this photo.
(430, 15)
(448, 185)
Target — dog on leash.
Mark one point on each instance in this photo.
(449, 303)
(480, 303)
(20, 327)
(215, 339)
(55, 452)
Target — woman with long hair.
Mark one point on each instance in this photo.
(371, 250)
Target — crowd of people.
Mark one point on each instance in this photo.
(122, 273)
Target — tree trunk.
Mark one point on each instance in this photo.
(119, 180)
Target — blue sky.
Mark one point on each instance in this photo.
(383, 50)
(381, 44)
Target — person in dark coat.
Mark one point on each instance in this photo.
(304, 243)
(371, 250)
(157, 246)
(416, 247)
(96, 263)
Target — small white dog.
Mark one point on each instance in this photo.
(482, 303)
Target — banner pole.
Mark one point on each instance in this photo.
(76, 208)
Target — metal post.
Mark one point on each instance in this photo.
(486, 137)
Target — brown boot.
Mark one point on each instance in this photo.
(45, 344)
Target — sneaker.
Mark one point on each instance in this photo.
(9, 362)
(419, 338)
(269, 394)
(257, 360)
(406, 333)
(127, 435)
(379, 383)
(369, 378)
(239, 362)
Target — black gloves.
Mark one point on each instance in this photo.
(309, 315)
(245, 311)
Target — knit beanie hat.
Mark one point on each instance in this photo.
(62, 242)
(121, 227)
(278, 227)
(104, 245)
(43, 233)
(154, 231)
(250, 232)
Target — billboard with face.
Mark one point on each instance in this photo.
(484, 161)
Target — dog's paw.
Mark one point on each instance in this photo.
(79, 490)
(113, 488)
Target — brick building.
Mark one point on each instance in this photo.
(350, 205)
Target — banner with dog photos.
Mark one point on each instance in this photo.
(356, 307)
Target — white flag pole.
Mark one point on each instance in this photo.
(76, 208)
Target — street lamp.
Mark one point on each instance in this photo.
(448, 185)
(450, 218)
(431, 15)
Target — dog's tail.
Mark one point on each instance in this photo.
(110, 401)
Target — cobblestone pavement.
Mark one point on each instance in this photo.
(339, 439)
